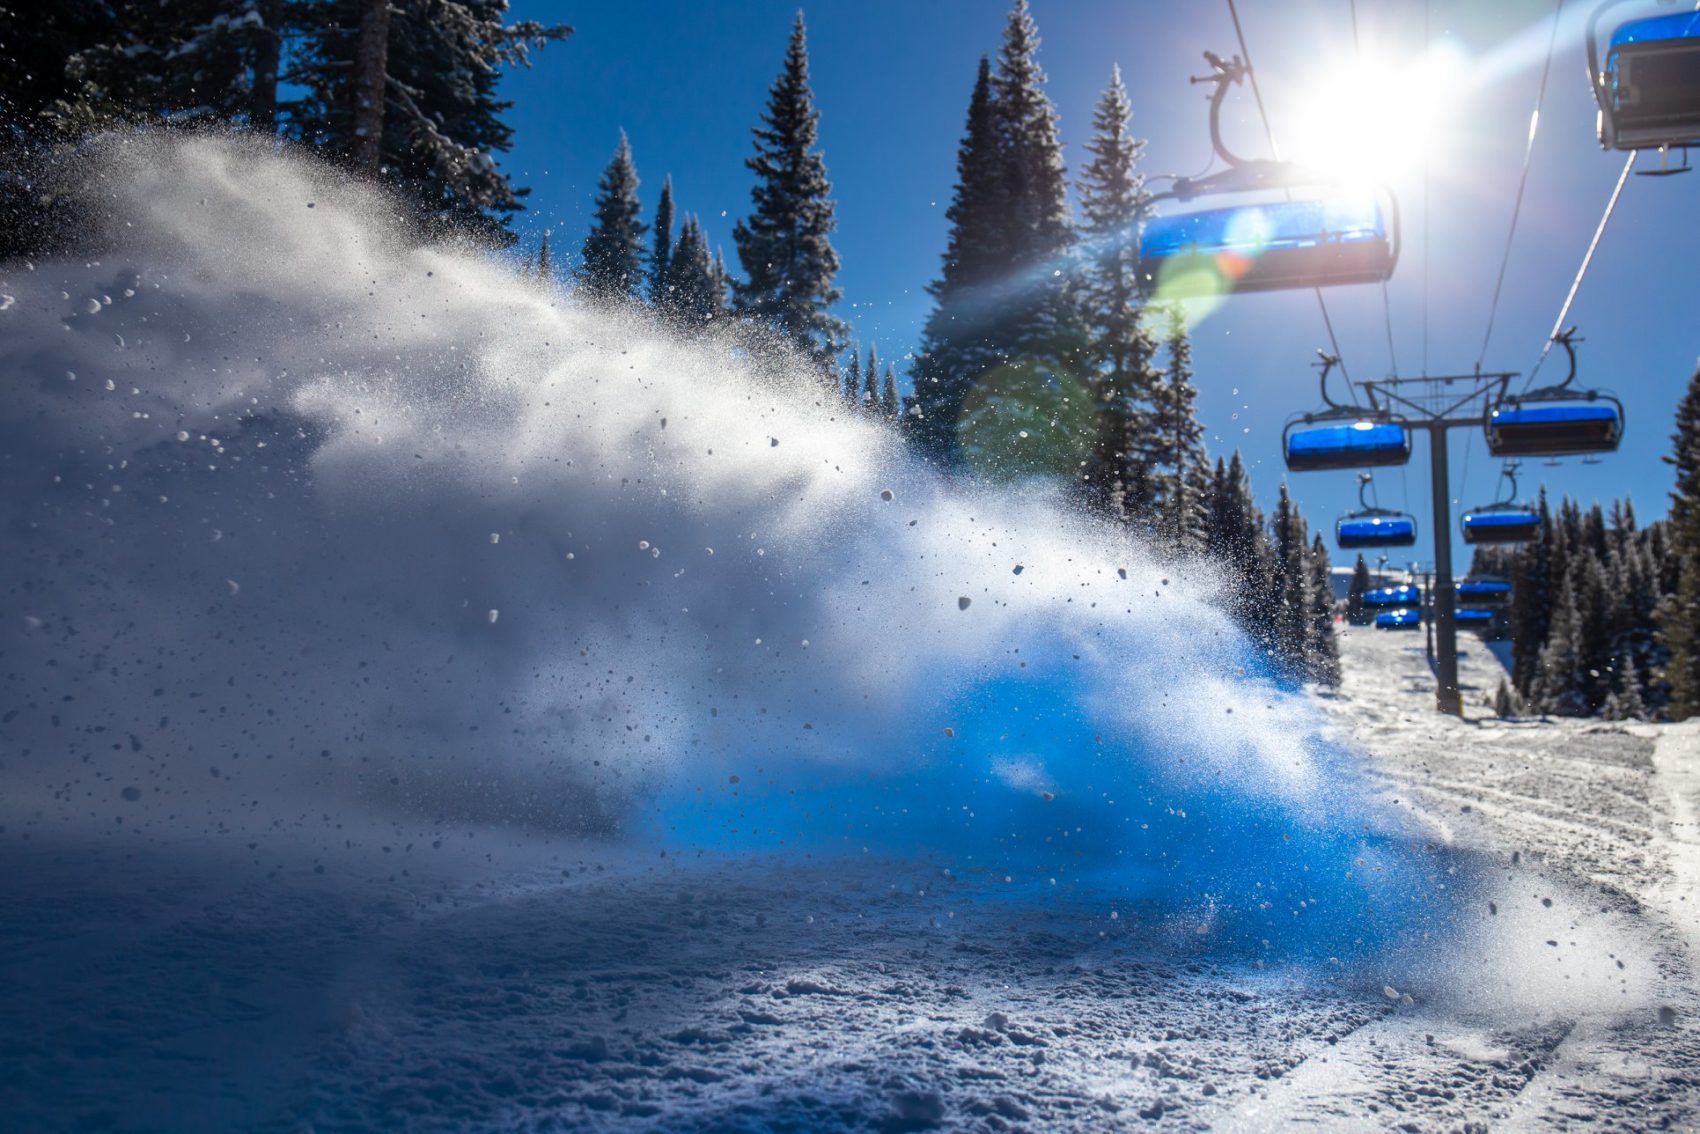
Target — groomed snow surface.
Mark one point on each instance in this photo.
(573, 987)
(428, 703)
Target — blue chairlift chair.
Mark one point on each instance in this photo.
(1556, 421)
(1373, 526)
(1649, 89)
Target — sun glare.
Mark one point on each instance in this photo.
(1377, 119)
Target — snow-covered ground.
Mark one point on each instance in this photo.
(573, 986)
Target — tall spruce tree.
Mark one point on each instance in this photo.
(611, 266)
(1175, 448)
(661, 251)
(1679, 614)
(1322, 649)
(784, 245)
(1112, 197)
(545, 266)
(888, 394)
(1239, 544)
(1356, 613)
(442, 120)
(851, 387)
(698, 295)
(1036, 321)
(1291, 613)
(869, 401)
(957, 342)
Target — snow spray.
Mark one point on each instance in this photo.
(308, 526)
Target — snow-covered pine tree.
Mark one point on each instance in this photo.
(869, 402)
(442, 121)
(699, 292)
(888, 394)
(1174, 448)
(1112, 196)
(1356, 613)
(1238, 542)
(178, 59)
(1679, 614)
(661, 250)
(1558, 686)
(1322, 660)
(851, 387)
(545, 266)
(784, 245)
(957, 342)
(611, 266)
(1291, 613)
(1533, 592)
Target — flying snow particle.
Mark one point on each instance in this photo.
(494, 614)
(887, 494)
(495, 537)
(963, 602)
(233, 585)
(131, 794)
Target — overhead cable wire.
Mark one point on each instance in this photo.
(1587, 259)
(1275, 151)
(1386, 303)
(1522, 183)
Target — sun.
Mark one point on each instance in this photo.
(1376, 119)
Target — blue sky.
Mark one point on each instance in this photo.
(891, 78)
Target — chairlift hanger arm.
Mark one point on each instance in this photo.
(1224, 73)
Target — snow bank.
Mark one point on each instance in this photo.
(310, 529)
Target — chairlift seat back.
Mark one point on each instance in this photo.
(1406, 618)
(1501, 525)
(1347, 445)
(1554, 429)
(1375, 529)
(1391, 597)
(1321, 242)
(1476, 617)
(1651, 95)
(1485, 592)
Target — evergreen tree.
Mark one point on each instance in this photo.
(1035, 319)
(1504, 701)
(784, 244)
(1239, 544)
(441, 120)
(698, 289)
(612, 264)
(869, 402)
(1679, 614)
(888, 395)
(1175, 449)
(1112, 197)
(661, 252)
(852, 384)
(1356, 613)
(957, 345)
(1322, 652)
(545, 266)
(182, 59)
(1291, 621)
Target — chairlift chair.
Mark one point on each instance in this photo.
(1394, 597)
(1505, 520)
(1373, 526)
(1344, 436)
(1479, 618)
(1405, 618)
(1484, 591)
(1649, 89)
(1555, 421)
(1323, 235)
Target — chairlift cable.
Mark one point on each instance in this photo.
(1587, 259)
(1386, 302)
(1522, 182)
(1275, 151)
